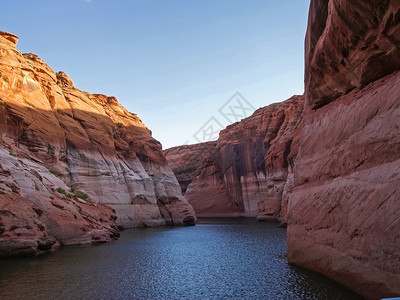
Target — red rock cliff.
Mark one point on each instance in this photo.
(186, 160)
(349, 44)
(54, 135)
(245, 172)
(344, 215)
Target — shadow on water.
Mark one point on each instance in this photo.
(217, 259)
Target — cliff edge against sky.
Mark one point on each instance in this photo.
(247, 172)
(327, 164)
(78, 163)
(330, 165)
(344, 215)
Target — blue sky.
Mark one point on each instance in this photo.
(173, 62)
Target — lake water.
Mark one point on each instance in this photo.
(216, 259)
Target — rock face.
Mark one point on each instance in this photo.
(186, 160)
(344, 215)
(245, 172)
(54, 135)
(360, 40)
(35, 217)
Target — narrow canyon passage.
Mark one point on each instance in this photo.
(217, 259)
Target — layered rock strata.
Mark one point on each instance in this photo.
(344, 215)
(54, 135)
(245, 172)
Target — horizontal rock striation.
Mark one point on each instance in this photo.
(245, 172)
(343, 210)
(35, 216)
(86, 141)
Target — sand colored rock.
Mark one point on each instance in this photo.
(35, 217)
(344, 210)
(244, 173)
(88, 141)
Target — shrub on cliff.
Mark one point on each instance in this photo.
(61, 191)
(81, 195)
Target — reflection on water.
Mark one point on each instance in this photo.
(216, 259)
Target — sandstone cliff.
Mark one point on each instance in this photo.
(344, 215)
(52, 135)
(186, 160)
(245, 172)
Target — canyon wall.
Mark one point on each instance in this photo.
(80, 163)
(186, 160)
(344, 215)
(246, 171)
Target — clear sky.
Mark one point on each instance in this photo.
(173, 62)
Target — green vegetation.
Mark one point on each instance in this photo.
(115, 136)
(75, 216)
(73, 194)
(61, 191)
(81, 195)
(16, 164)
(52, 197)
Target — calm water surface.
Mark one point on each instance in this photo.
(216, 259)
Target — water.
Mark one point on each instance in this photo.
(216, 259)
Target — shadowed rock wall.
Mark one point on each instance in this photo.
(344, 211)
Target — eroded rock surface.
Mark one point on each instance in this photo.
(187, 159)
(37, 213)
(89, 142)
(244, 173)
(348, 45)
(344, 208)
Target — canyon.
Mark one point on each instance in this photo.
(327, 165)
(75, 167)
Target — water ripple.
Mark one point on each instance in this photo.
(217, 259)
